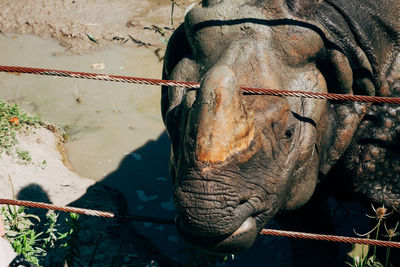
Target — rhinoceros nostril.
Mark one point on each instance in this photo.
(289, 132)
(242, 201)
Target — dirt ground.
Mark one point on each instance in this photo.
(82, 26)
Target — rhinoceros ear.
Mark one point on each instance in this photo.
(344, 117)
(178, 47)
(303, 8)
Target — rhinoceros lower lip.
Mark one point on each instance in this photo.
(238, 241)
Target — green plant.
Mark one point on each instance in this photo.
(65, 132)
(13, 119)
(34, 245)
(390, 233)
(361, 258)
(52, 233)
(43, 164)
(20, 233)
(361, 255)
(72, 241)
(24, 156)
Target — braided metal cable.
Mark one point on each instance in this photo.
(291, 234)
(95, 76)
(332, 238)
(89, 212)
(246, 90)
(47, 206)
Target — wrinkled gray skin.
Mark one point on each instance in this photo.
(238, 160)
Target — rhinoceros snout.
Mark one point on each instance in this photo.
(217, 214)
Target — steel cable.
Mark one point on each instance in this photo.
(89, 212)
(246, 90)
(332, 238)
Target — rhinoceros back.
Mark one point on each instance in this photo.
(372, 26)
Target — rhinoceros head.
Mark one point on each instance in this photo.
(238, 160)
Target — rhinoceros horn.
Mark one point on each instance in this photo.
(218, 121)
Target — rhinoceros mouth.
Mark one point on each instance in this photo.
(229, 233)
(240, 240)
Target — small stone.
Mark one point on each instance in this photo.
(136, 156)
(173, 239)
(159, 228)
(168, 206)
(98, 66)
(143, 197)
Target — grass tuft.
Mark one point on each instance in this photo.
(12, 120)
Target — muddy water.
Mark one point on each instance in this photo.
(105, 121)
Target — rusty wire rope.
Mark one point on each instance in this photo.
(89, 212)
(246, 90)
(272, 232)
(332, 238)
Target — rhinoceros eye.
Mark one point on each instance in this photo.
(289, 132)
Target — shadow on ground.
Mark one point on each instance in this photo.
(114, 242)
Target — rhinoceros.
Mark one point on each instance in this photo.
(238, 160)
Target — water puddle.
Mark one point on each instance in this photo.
(104, 120)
